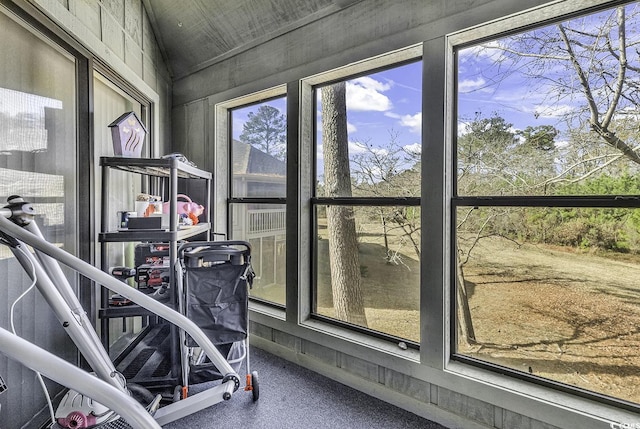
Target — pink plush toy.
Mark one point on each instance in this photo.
(186, 208)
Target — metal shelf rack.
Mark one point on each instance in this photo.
(138, 355)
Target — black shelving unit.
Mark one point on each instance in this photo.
(151, 358)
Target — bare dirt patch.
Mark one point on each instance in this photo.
(554, 312)
(391, 291)
(564, 315)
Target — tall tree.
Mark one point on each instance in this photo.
(593, 64)
(484, 164)
(266, 130)
(344, 259)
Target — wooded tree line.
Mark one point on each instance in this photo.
(588, 70)
(494, 160)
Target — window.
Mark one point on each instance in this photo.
(38, 161)
(257, 210)
(367, 202)
(545, 205)
(109, 103)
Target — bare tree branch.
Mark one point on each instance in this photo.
(584, 82)
(622, 66)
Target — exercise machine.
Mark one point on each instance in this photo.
(99, 396)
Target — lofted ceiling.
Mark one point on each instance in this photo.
(194, 34)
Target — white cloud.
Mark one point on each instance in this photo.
(413, 122)
(380, 151)
(365, 94)
(492, 51)
(468, 85)
(415, 148)
(369, 82)
(356, 147)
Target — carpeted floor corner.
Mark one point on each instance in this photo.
(294, 397)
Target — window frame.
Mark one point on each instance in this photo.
(309, 87)
(33, 20)
(87, 63)
(545, 15)
(223, 194)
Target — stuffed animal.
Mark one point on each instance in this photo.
(187, 207)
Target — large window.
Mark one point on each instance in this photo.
(367, 201)
(38, 161)
(545, 206)
(257, 211)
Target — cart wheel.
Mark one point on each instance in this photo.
(177, 393)
(255, 391)
(141, 394)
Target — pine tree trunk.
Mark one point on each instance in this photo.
(344, 259)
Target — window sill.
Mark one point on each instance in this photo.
(371, 344)
(538, 402)
(506, 393)
(343, 340)
(267, 310)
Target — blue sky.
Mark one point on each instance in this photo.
(384, 102)
(482, 91)
(377, 104)
(489, 82)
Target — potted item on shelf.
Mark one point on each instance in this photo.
(128, 134)
(146, 205)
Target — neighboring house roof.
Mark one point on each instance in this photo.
(249, 160)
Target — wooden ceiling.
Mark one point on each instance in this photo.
(194, 34)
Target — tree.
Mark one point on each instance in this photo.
(591, 64)
(266, 130)
(495, 159)
(344, 259)
(587, 71)
(540, 138)
(484, 161)
(390, 171)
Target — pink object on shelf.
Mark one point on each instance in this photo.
(185, 207)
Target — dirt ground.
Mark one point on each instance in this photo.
(557, 313)
(560, 314)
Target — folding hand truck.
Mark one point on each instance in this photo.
(107, 387)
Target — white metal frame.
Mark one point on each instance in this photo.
(109, 388)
